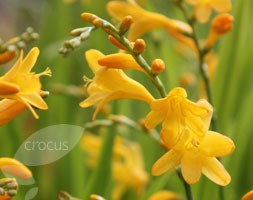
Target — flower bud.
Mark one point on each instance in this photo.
(221, 24)
(139, 46)
(114, 41)
(126, 24)
(157, 66)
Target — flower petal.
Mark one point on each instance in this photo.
(167, 162)
(215, 171)
(216, 145)
(35, 100)
(12, 166)
(203, 12)
(153, 119)
(9, 109)
(191, 165)
(92, 56)
(29, 60)
(8, 88)
(221, 6)
(119, 61)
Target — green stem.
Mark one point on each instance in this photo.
(139, 59)
(187, 187)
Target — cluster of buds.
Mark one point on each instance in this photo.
(8, 187)
(81, 34)
(19, 42)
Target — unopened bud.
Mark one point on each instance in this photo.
(97, 22)
(114, 41)
(125, 24)
(88, 17)
(139, 46)
(157, 66)
(222, 23)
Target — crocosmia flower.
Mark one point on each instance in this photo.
(177, 112)
(110, 84)
(197, 155)
(20, 84)
(144, 21)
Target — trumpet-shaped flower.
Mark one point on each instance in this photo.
(127, 164)
(111, 84)
(20, 84)
(177, 112)
(144, 21)
(197, 155)
(203, 8)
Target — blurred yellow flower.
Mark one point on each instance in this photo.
(110, 84)
(196, 155)
(144, 21)
(164, 195)
(127, 163)
(203, 8)
(248, 195)
(177, 112)
(12, 166)
(20, 84)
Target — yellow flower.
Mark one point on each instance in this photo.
(110, 84)
(164, 195)
(127, 164)
(12, 166)
(196, 155)
(203, 8)
(177, 112)
(20, 84)
(248, 195)
(144, 21)
(9, 109)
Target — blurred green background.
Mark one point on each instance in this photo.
(232, 89)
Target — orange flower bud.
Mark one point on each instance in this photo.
(157, 66)
(222, 23)
(125, 24)
(7, 56)
(88, 17)
(114, 41)
(139, 46)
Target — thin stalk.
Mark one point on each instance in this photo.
(187, 187)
